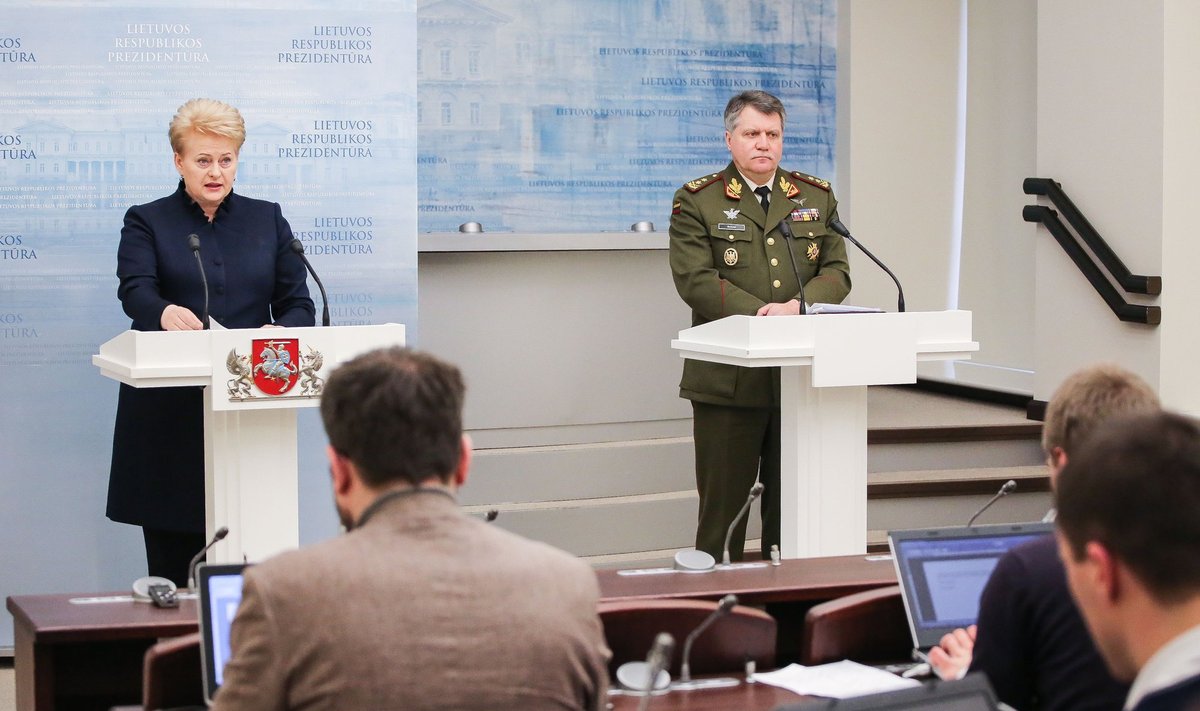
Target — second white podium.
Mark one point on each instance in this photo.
(826, 363)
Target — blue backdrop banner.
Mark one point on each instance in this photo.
(586, 115)
(328, 92)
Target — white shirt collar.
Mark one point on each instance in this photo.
(1174, 662)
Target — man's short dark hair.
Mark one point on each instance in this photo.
(396, 414)
(761, 101)
(1134, 487)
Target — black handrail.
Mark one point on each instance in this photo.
(1130, 282)
(1133, 313)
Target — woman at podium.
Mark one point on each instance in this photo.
(253, 279)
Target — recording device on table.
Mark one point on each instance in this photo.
(162, 592)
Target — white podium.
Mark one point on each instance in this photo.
(826, 363)
(254, 381)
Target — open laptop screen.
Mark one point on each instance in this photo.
(942, 572)
(220, 589)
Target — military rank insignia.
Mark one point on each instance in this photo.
(822, 184)
(733, 189)
(696, 185)
(787, 187)
(813, 251)
(731, 257)
(806, 214)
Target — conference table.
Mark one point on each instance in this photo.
(84, 651)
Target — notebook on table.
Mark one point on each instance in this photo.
(220, 588)
(942, 572)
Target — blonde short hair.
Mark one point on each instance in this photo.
(1089, 397)
(206, 116)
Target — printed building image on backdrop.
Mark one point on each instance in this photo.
(86, 93)
(586, 115)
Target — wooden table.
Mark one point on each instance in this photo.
(70, 655)
(800, 580)
(87, 656)
(748, 697)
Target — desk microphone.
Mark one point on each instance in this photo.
(1005, 490)
(221, 533)
(755, 491)
(836, 225)
(298, 248)
(786, 230)
(723, 608)
(194, 245)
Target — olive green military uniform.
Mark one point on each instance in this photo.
(728, 258)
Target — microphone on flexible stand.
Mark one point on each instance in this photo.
(838, 227)
(194, 245)
(191, 581)
(685, 670)
(786, 231)
(1004, 491)
(755, 491)
(298, 248)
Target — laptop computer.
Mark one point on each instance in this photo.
(971, 693)
(942, 572)
(220, 588)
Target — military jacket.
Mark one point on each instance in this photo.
(728, 257)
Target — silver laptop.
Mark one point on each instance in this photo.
(220, 588)
(942, 572)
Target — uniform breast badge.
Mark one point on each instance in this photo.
(732, 213)
(813, 251)
(731, 257)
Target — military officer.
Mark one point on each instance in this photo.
(728, 257)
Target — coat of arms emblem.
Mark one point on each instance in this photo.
(276, 364)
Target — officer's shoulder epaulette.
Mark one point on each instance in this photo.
(695, 186)
(811, 180)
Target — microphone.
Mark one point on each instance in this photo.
(191, 581)
(723, 608)
(194, 245)
(1005, 490)
(786, 230)
(755, 491)
(298, 248)
(838, 227)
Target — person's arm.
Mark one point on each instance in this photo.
(696, 278)
(137, 269)
(254, 675)
(291, 304)
(1001, 650)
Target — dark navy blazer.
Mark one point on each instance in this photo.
(254, 278)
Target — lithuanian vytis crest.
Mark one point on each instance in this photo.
(276, 364)
(273, 368)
